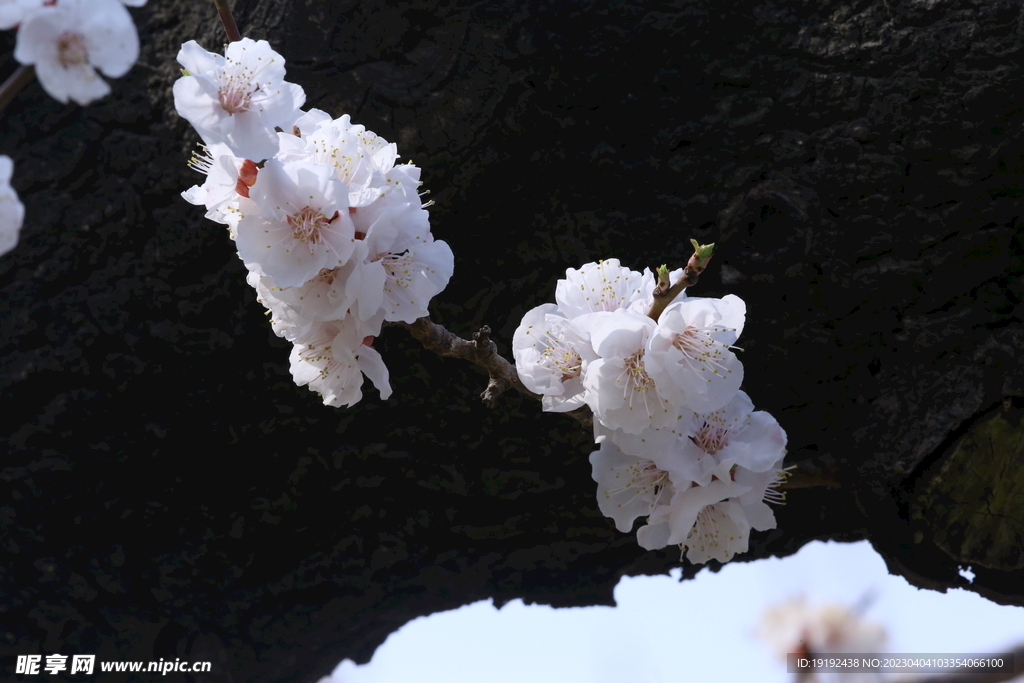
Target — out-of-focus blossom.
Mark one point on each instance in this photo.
(69, 41)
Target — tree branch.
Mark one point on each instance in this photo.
(664, 295)
(482, 351)
(230, 27)
(21, 77)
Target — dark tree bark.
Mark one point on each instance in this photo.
(167, 491)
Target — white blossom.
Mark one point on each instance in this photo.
(672, 524)
(69, 41)
(719, 532)
(628, 487)
(618, 388)
(736, 435)
(364, 161)
(690, 356)
(332, 359)
(237, 99)
(601, 286)
(220, 189)
(12, 211)
(302, 224)
(722, 530)
(551, 356)
(672, 444)
(404, 267)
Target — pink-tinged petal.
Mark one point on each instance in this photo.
(686, 504)
(414, 278)
(760, 516)
(191, 95)
(269, 65)
(366, 289)
(197, 60)
(720, 532)
(628, 487)
(284, 109)
(305, 225)
(372, 365)
(544, 353)
(653, 536)
(601, 286)
(250, 138)
(757, 445)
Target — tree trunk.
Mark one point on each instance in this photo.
(169, 492)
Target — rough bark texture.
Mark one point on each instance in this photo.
(168, 492)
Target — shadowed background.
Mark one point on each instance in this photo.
(167, 491)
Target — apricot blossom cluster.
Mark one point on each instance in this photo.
(679, 443)
(333, 233)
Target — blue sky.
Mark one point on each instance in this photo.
(664, 631)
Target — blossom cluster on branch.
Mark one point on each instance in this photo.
(679, 443)
(332, 231)
(68, 40)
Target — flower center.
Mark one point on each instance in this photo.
(234, 100)
(637, 375)
(564, 358)
(237, 86)
(399, 270)
(652, 477)
(697, 345)
(71, 49)
(645, 479)
(326, 276)
(306, 225)
(711, 438)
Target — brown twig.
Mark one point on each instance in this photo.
(229, 21)
(21, 77)
(694, 267)
(482, 351)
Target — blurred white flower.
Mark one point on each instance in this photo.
(69, 41)
(12, 211)
(796, 626)
(13, 12)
